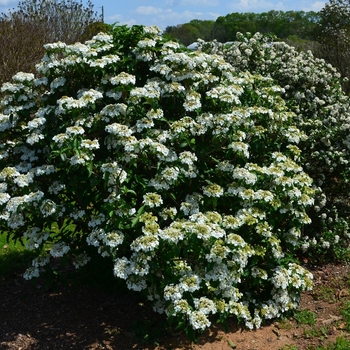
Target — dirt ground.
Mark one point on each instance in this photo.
(34, 317)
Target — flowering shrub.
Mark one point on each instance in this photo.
(312, 90)
(181, 169)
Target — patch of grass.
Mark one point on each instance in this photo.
(341, 343)
(325, 293)
(315, 332)
(305, 317)
(289, 347)
(312, 332)
(284, 324)
(14, 258)
(345, 312)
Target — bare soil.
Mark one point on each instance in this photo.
(88, 317)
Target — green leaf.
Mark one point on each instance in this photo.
(89, 168)
(138, 214)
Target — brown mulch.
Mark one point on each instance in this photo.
(88, 317)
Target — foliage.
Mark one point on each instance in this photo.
(179, 168)
(282, 24)
(333, 35)
(24, 31)
(63, 20)
(189, 32)
(94, 29)
(312, 90)
(341, 343)
(346, 314)
(305, 317)
(21, 44)
(13, 257)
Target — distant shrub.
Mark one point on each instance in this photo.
(311, 89)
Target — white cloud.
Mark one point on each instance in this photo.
(214, 15)
(7, 2)
(201, 3)
(148, 10)
(182, 17)
(114, 18)
(316, 6)
(256, 6)
(130, 22)
(168, 17)
(172, 3)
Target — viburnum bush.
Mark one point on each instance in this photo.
(180, 168)
(311, 89)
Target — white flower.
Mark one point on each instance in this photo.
(325, 244)
(213, 190)
(122, 268)
(41, 260)
(145, 243)
(172, 292)
(146, 43)
(123, 79)
(152, 30)
(57, 82)
(90, 144)
(48, 207)
(240, 147)
(31, 272)
(205, 305)
(74, 130)
(104, 61)
(171, 234)
(192, 101)
(152, 200)
(119, 129)
(190, 283)
(59, 249)
(114, 239)
(4, 197)
(23, 77)
(181, 307)
(199, 320)
(36, 123)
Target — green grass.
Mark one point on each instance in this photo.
(305, 317)
(289, 347)
(341, 343)
(345, 311)
(14, 258)
(325, 293)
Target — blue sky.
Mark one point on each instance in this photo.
(165, 13)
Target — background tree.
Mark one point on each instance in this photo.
(297, 25)
(24, 31)
(333, 35)
(64, 20)
(189, 32)
(21, 46)
(279, 23)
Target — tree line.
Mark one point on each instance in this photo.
(282, 24)
(24, 31)
(326, 33)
